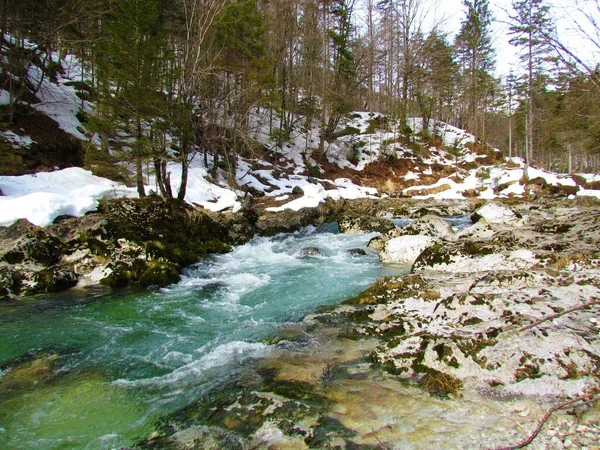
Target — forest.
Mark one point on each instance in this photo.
(170, 80)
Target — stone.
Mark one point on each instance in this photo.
(405, 249)
(311, 252)
(495, 213)
(357, 252)
(428, 225)
(358, 224)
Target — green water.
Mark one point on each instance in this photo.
(97, 369)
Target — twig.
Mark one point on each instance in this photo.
(554, 316)
(584, 399)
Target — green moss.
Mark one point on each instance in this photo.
(390, 288)
(434, 255)
(159, 274)
(477, 248)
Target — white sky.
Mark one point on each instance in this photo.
(563, 12)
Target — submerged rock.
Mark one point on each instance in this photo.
(311, 252)
(357, 252)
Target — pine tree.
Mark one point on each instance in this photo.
(530, 23)
(476, 56)
(132, 65)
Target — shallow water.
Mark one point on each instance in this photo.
(126, 359)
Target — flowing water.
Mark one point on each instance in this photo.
(107, 365)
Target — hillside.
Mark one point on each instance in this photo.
(368, 155)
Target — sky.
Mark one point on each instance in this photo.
(507, 57)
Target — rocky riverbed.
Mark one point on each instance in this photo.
(492, 331)
(495, 331)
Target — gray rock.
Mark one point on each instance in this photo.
(311, 252)
(357, 252)
(358, 224)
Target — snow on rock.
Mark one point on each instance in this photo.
(17, 141)
(515, 260)
(404, 249)
(4, 97)
(59, 102)
(494, 213)
(550, 178)
(589, 193)
(42, 197)
(202, 192)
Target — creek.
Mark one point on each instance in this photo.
(96, 369)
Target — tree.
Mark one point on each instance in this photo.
(530, 23)
(135, 47)
(476, 56)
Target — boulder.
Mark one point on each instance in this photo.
(429, 225)
(287, 221)
(24, 242)
(500, 253)
(358, 224)
(378, 242)
(495, 214)
(405, 249)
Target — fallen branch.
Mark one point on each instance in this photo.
(583, 399)
(555, 316)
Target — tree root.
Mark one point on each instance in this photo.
(582, 400)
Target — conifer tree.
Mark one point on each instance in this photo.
(476, 57)
(530, 23)
(135, 47)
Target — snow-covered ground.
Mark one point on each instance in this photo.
(361, 138)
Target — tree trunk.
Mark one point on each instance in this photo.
(139, 172)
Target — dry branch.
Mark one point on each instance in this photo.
(554, 316)
(592, 396)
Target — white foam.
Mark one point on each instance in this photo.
(232, 352)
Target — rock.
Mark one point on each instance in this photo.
(404, 249)
(355, 224)
(310, 252)
(23, 242)
(494, 213)
(207, 438)
(477, 231)
(378, 243)
(187, 234)
(357, 252)
(19, 280)
(429, 225)
(52, 279)
(474, 256)
(272, 223)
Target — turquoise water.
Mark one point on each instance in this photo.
(108, 365)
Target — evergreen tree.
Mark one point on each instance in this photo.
(133, 67)
(476, 56)
(530, 23)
